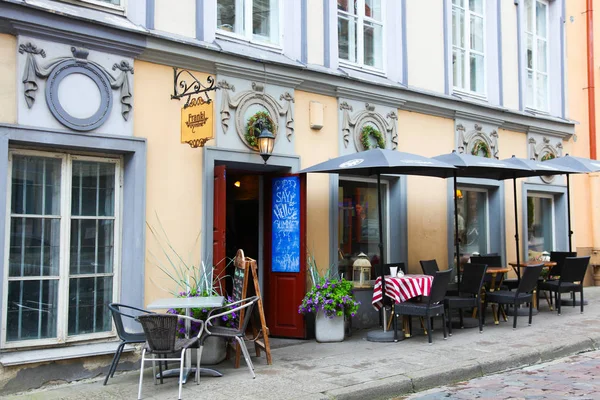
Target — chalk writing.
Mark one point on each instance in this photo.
(286, 224)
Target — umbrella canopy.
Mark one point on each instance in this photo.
(540, 167)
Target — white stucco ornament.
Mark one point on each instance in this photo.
(352, 163)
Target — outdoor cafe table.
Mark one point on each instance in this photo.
(401, 289)
(188, 303)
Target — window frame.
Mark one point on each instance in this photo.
(469, 188)
(534, 107)
(360, 24)
(466, 65)
(548, 196)
(62, 320)
(248, 36)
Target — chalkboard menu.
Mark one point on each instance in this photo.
(286, 224)
(238, 283)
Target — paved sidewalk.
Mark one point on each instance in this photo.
(358, 369)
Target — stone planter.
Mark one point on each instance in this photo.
(329, 329)
(214, 351)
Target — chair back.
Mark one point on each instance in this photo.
(429, 267)
(559, 258)
(488, 255)
(490, 261)
(160, 330)
(574, 269)
(441, 279)
(247, 305)
(529, 279)
(119, 311)
(472, 278)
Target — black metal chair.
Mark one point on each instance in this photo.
(554, 273)
(429, 267)
(469, 295)
(570, 281)
(523, 294)
(127, 337)
(491, 262)
(429, 307)
(237, 334)
(161, 340)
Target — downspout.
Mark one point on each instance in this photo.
(590, 73)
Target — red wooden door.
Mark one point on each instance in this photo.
(285, 254)
(219, 225)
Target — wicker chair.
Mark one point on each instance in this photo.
(161, 340)
(120, 311)
(231, 333)
(429, 267)
(559, 258)
(570, 281)
(429, 307)
(470, 294)
(523, 294)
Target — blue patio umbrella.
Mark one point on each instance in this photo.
(578, 165)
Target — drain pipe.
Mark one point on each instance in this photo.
(590, 74)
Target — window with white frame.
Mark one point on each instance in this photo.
(468, 48)
(253, 20)
(360, 32)
(61, 254)
(473, 216)
(536, 48)
(540, 224)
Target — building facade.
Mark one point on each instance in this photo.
(92, 162)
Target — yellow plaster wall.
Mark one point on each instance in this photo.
(179, 18)
(510, 55)
(8, 79)
(174, 174)
(316, 146)
(425, 51)
(315, 32)
(427, 206)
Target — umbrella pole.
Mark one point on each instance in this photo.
(381, 256)
(569, 213)
(517, 229)
(456, 237)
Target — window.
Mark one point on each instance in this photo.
(256, 20)
(62, 259)
(468, 49)
(358, 222)
(536, 42)
(540, 224)
(473, 218)
(360, 32)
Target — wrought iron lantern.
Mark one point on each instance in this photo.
(266, 141)
(361, 270)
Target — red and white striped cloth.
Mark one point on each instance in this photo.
(402, 289)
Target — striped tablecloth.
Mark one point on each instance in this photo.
(402, 289)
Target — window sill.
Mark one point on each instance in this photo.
(536, 112)
(60, 353)
(252, 43)
(363, 69)
(469, 96)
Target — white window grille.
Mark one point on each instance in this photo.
(360, 32)
(468, 45)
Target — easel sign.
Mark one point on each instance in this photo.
(243, 265)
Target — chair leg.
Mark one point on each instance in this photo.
(154, 369)
(449, 319)
(181, 363)
(558, 301)
(198, 364)
(444, 324)
(530, 313)
(113, 364)
(141, 374)
(429, 329)
(246, 355)
(480, 317)
(515, 315)
(581, 297)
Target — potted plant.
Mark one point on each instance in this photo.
(332, 299)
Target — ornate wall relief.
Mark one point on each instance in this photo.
(78, 91)
(473, 138)
(253, 105)
(368, 128)
(542, 148)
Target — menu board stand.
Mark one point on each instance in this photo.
(260, 337)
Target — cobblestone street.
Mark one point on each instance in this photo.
(567, 378)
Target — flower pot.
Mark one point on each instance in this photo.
(329, 329)
(214, 351)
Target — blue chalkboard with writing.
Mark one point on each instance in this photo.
(286, 224)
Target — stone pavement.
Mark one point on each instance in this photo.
(567, 378)
(358, 369)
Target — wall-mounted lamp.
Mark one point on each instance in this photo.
(266, 141)
(459, 194)
(237, 184)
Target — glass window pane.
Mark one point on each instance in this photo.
(31, 310)
(35, 185)
(541, 56)
(529, 15)
(529, 50)
(540, 16)
(529, 98)
(349, 6)
(472, 222)
(347, 39)
(92, 246)
(34, 247)
(477, 73)
(539, 224)
(359, 223)
(476, 6)
(542, 91)
(458, 65)
(93, 189)
(88, 305)
(265, 19)
(373, 45)
(458, 27)
(459, 3)
(373, 9)
(226, 15)
(476, 39)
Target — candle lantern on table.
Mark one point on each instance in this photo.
(361, 269)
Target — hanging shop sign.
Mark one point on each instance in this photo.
(197, 122)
